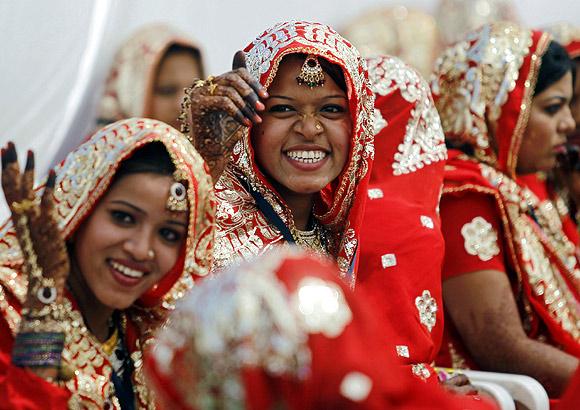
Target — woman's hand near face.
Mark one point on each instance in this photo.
(218, 108)
(44, 251)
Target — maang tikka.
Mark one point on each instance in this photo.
(311, 73)
(177, 201)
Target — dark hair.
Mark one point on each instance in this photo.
(152, 158)
(179, 49)
(333, 70)
(555, 64)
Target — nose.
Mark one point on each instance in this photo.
(567, 123)
(139, 245)
(309, 126)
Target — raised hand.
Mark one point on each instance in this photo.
(46, 260)
(215, 110)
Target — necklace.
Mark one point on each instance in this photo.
(311, 239)
(110, 344)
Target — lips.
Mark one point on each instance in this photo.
(306, 156)
(125, 273)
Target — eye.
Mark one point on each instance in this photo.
(552, 108)
(281, 108)
(333, 108)
(122, 217)
(166, 90)
(170, 235)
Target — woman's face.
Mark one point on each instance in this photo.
(303, 142)
(176, 72)
(130, 241)
(549, 123)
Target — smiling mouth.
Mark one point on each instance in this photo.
(307, 157)
(126, 271)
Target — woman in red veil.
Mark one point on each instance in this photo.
(91, 265)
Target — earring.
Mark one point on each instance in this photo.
(177, 201)
(311, 73)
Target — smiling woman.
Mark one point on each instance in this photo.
(123, 228)
(288, 137)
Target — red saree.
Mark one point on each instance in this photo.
(402, 247)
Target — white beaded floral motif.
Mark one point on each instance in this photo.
(375, 193)
(480, 239)
(427, 307)
(403, 351)
(388, 260)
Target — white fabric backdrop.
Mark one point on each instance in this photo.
(55, 54)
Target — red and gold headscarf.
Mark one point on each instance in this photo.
(484, 83)
(82, 178)
(242, 230)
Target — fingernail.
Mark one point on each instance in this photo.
(247, 122)
(260, 106)
(264, 93)
(257, 119)
(51, 179)
(29, 161)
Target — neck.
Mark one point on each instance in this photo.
(95, 314)
(301, 207)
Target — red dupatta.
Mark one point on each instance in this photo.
(242, 228)
(489, 79)
(402, 247)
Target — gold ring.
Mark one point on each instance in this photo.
(22, 206)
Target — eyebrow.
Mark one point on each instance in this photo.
(559, 98)
(178, 223)
(130, 205)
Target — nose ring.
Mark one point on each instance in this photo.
(318, 126)
(151, 254)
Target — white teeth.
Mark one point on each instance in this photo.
(308, 157)
(126, 271)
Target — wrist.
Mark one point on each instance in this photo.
(38, 349)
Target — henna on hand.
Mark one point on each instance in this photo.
(46, 260)
(215, 111)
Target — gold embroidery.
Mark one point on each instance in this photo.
(480, 239)
(424, 142)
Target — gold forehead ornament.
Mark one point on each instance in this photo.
(311, 73)
(177, 201)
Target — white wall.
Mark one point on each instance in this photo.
(55, 54)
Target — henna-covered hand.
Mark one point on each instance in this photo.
(216, 110)
(44, 250)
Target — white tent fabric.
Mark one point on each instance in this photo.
(56, 54)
